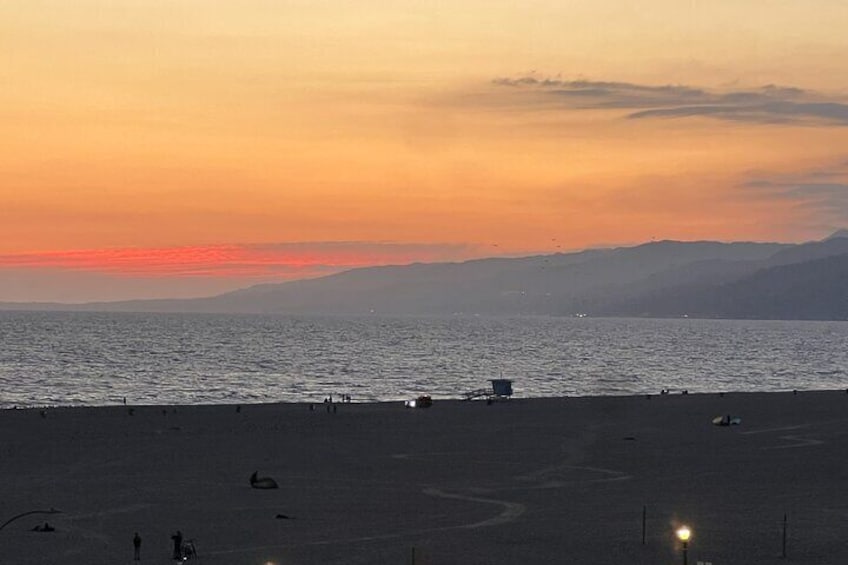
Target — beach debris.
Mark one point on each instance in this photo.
(423, 401)
(283, 517)
(262, 482)
(45, 528)
(727, 420)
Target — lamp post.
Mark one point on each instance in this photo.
(683, 534)
(13, 518)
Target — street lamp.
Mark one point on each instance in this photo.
(13, 518)
(683, 534)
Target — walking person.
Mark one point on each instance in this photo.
(136, 547)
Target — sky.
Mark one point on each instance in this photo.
(176, 148)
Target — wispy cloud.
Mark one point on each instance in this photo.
(822, 191)
(767, 104)
(269, 260)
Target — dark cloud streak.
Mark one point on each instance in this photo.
(830, 113)
(768, 104)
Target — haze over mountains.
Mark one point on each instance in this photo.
(658, 279)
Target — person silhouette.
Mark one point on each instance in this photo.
(136, 547)
(178, 545)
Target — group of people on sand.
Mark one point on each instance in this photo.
(344, 398)
(331, 404)
(181, 551)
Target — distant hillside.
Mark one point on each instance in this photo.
(811, 290)
(666, 278)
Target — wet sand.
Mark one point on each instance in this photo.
(523, 481)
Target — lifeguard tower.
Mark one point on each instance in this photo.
(501, 389)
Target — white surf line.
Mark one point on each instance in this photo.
(769, 430)
(799, 442)
(511, 511)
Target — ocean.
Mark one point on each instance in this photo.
(92, 359)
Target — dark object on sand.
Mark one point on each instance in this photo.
(423, 401)
(727, 420)
(45, 528)
(283, 517)
(188, 550)
(262, 482)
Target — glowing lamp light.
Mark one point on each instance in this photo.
(683, 534)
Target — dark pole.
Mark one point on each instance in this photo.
(784, 536)
(644, 517)
(413, 556)
(685, 553)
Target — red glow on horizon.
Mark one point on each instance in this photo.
(287, 261)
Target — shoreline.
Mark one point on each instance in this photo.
(436, 399)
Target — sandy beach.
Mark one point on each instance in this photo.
(522, 481)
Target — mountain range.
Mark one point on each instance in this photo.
(658, 279)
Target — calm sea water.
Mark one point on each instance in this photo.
(97, 359)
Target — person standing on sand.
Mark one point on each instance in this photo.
(136, 547)
(178, 545)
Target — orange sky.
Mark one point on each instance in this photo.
(184, 147)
